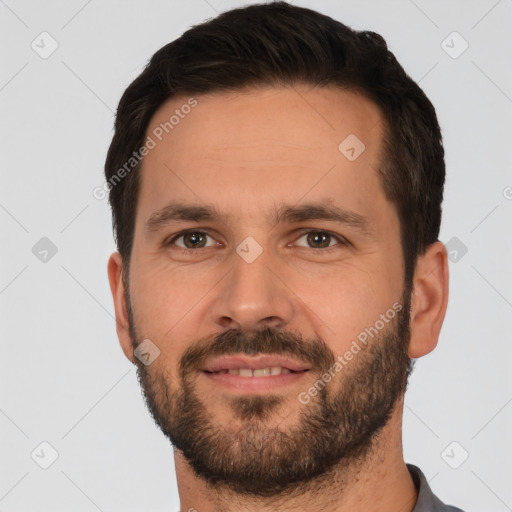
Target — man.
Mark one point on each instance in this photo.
(276, 182)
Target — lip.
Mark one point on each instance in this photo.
(253, 384)
(263, 361)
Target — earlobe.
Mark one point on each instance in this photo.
(429, 299)
(115, 277)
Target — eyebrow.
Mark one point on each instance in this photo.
(176, 212)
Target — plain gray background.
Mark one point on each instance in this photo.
(64, 379)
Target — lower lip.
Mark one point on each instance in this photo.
(250, 384)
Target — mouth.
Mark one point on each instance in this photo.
(252, 374)
(257, 366)
(257, 372)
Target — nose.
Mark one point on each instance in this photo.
(253, 296)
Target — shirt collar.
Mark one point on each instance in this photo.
(427, 501)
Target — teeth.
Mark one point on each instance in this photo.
(259, 372)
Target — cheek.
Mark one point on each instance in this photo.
(161, 305)
(342, 303)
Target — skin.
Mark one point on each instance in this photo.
(244, 153)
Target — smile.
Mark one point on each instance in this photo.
(258, 372)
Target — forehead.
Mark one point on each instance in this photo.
(271, 145)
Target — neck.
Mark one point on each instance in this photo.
(379, 482)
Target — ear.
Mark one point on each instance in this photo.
(115, 277)
(429, 299)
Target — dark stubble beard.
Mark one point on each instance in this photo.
(337, 428)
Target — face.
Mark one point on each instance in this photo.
(263, 240)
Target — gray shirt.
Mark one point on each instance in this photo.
(427, 501)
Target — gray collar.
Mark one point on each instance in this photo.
(427, 500)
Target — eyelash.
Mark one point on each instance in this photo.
(341, 240)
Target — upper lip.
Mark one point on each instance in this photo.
(264, 361)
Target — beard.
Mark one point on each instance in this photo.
(246, 455)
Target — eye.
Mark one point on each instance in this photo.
(320, 240)
(192, 240)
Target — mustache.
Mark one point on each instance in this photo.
(312, 351)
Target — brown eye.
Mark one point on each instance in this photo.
(324, 241)
(318, 239)
(192, 240)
